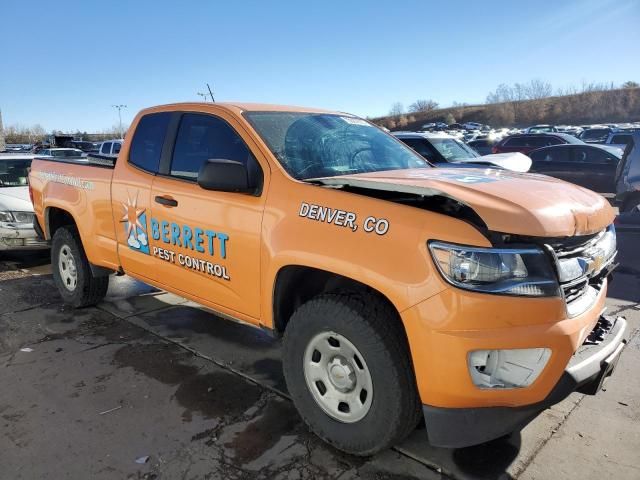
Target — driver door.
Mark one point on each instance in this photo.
(209, 240)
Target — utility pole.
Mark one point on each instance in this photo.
(119, 107)
(203, 95)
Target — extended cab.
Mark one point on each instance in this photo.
(471, 298)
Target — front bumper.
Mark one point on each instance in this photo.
(20, 237)
(586, 372)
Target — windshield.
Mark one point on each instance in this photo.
(453, 150)
(14, 173)
(312, 145)
(595, 134)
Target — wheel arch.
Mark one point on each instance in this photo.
(55, 218)
(296, 284)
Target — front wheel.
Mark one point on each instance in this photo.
(348, 370)
(71, 270)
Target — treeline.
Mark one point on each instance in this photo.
(520, 105)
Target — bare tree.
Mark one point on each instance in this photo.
(423, 106)
(630, 84)
(537, 88)
(449, 119)
(396, 109)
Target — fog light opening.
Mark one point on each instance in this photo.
(513, 368)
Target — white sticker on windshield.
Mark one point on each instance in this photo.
(356, 121)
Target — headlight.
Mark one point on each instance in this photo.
(526, 272)
(23, 217)
(17, 217)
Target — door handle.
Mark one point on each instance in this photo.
(166, 201)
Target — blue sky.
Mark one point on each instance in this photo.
(65, 63)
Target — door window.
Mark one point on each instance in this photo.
(106, 148)
(551, 155)
(204, 137)
(515, 142)
(148, 139)
(593, 155)
(620, 139)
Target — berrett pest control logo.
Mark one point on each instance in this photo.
(135, 225)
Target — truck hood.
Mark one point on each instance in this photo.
(508, 202)
(15, 199)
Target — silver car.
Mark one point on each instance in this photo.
(16, 209)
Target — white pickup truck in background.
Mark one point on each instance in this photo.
(16, 210)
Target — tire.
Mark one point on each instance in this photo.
(632, 203)
(369, 325)
(72, 272)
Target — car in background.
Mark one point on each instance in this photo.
(541, 129)
(473, 126)
(590, 166)
(628, 177)
(443, 150)
(110, 148)
(526, 142)
(482, 146)
(85, 146)
(596, 135)
(570, 129)
(62, 153)
(16, 210)
(619, 139)
(17, 147)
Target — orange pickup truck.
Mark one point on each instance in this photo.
(470, 298)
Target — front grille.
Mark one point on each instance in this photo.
(579, 293)
(573, 292)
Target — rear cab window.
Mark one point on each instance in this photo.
(106, 148)
(148, 140)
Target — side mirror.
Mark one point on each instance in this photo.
(224, 176)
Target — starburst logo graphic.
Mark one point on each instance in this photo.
(135, 225)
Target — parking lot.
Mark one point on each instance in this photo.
(149, 385)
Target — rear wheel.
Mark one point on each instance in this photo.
(348, 370)
(71, 270)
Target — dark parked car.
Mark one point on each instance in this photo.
(589, 166)
(526, 142)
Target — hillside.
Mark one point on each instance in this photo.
(618, 105)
